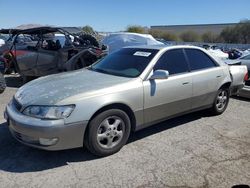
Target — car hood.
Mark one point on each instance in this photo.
(50, 90)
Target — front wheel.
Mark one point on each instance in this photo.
(108, 132)
(221, 101)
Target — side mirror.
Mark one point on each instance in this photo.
(159, 74)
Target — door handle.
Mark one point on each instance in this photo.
(185, 83)
(218, 76)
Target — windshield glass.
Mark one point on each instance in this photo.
(127, 62)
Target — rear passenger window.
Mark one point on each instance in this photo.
(199, 60)
(173, 61)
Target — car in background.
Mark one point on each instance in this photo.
(126, 91)
(6, 36)
(244, 60)
(2, 41)
(42, 51)
(116, 41)
(215, 51)
(2, 79)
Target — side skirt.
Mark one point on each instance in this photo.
(142, 126)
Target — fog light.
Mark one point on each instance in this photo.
(48, 141)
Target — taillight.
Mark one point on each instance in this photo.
(246, 77)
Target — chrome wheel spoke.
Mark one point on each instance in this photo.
(116, 123)
(218, 105)
(119, 134)
(106, 124)
(101, 136)
(109, 142)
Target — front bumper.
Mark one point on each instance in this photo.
(31, 131)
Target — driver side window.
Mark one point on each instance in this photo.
(173, 61)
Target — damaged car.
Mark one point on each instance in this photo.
(47, 50)
(244, 60)
(2, 79)
(126, 91)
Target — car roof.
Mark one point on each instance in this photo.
(48, 29)
(9, 31)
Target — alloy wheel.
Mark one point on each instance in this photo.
(110, 132)
(221, 100)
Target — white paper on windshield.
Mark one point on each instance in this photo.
(143, 54)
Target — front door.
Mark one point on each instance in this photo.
(168, 97)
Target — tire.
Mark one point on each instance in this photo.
(108, 132)
(221, 101)
(2, 83)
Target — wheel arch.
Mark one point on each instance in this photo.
(119, 106)
(226, 85)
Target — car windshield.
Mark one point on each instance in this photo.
(127, 62)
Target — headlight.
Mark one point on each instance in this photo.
(49, 112)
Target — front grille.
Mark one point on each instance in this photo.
(17, 105)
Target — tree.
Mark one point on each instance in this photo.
(238, 34)
(209, 37)
(190, 36)
(163, 35)
(243, 28)
(88, 29)
(136, 29)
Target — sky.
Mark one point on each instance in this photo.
(116, 15)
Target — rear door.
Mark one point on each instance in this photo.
(168, 97)
(206, 77)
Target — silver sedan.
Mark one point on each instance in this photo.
(126, 91)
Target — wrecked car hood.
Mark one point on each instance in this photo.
(50, 90)
(116, 41)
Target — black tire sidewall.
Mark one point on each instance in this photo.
(91, 139)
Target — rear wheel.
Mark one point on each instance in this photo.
(108, 132)
(221, 101)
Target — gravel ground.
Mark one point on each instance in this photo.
(195, 150)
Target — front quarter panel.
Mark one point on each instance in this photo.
(130, 94)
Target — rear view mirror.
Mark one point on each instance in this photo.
(160, 74)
